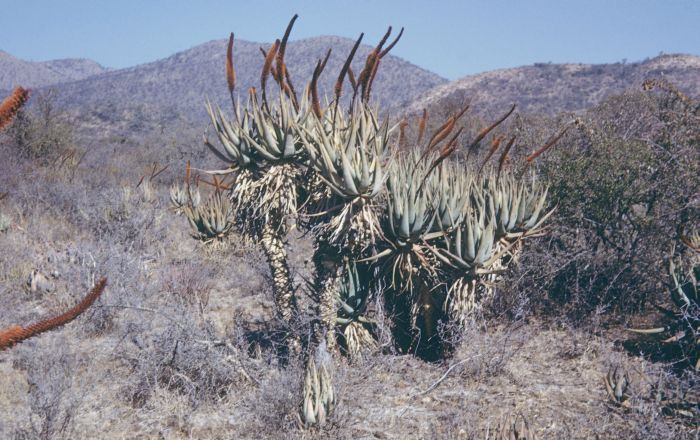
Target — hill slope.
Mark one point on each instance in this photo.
(178, 85)
(553, 88)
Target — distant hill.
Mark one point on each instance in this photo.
(177, 87)
(553, 88)
(14, 71)
(168, 94)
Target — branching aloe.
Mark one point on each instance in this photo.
(427, 232)
(263, 149)
(349, 157)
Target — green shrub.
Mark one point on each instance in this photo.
(623, 182)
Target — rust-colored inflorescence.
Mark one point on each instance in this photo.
(313, 87)
(267, 66)
(553, 140)
(15, 334)
(11, 105)
(230, 71)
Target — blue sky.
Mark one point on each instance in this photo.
(451, 38)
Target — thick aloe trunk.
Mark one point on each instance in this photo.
(328, 273)
(266, 201)
(344, 239)
(276, 254)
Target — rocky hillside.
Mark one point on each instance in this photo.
(177, 86)
(553, 88)
(14, 71)
(169, 94)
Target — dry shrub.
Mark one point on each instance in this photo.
(183, 357)
(273, 407)
(190, 283)
(625, 183)
(53, 399)
(44, 132)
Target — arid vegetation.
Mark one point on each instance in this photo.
(347, 274)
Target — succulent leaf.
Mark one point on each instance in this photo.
(348, 153)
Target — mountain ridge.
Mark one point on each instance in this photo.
(173, 89)
(553, 88)
(180, 83)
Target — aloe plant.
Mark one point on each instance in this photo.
(684, 287)
(212, 220)
(350, 315)
(185, 196)
(263, 148)
(410, 208)
(348, 154)
(512, 427)
(318, 392)
(416, 226)
(616, 383)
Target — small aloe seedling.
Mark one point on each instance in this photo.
(211, 220)
(319, 396)
(616, 383)
(184, 196)
(512, 427)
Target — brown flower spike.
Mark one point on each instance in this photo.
(11, 105)
(15, 334)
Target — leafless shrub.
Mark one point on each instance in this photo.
(190, 283)
(52, 397)
(484, 354)
(273, 408)
(186, 358)
(43, 133)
